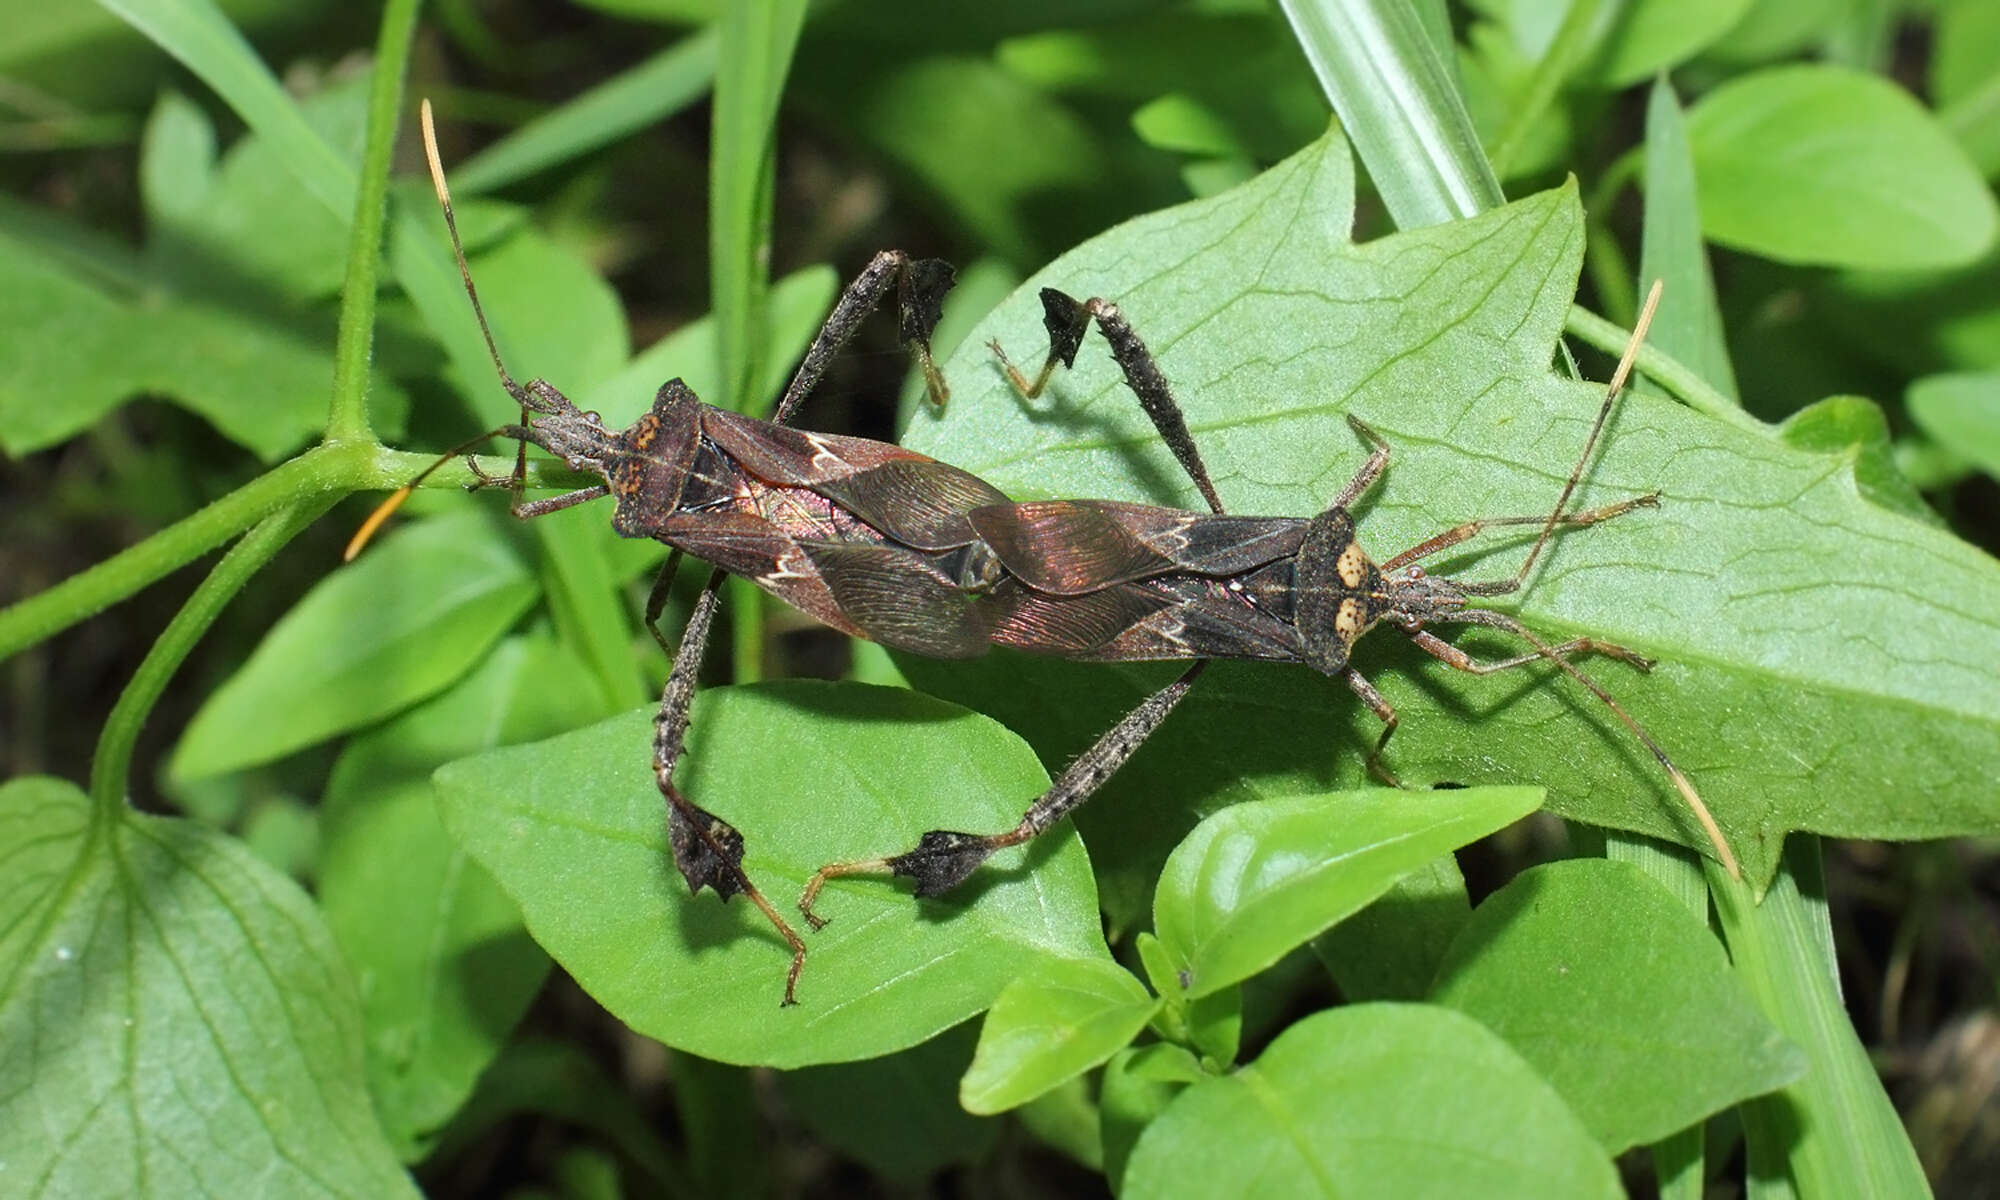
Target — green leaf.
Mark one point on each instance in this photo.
(178, 1021)
(1373, 1100)
(553, 315)
(1050, 1025)
(1391, 949)
(644, 94)
(1809, 642)
(220, 314)
(899, 1113)
(573, 828)
(1834, 1130)
(445, 967)
(1394, 90)
(1255, 880)
(1852, 427)
(75, 351)
(397, 625)
(1618, 996)
(1139, 1084)
(1688, 324)
(1826, 166)
(1961, 412)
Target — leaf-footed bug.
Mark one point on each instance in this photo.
(883, 543)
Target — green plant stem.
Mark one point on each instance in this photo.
(347, 415)
(324, 471)
(1667, 371)
(111, 767)
(755, 55)
(1833, 1132)
(1572, 38)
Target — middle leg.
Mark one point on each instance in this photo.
(943, 858)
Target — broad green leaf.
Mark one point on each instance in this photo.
(1775, 28)
(1138, 1085)
(1826, 166)
(444, 965)
(574, 829)
(1391, 949)
(1618, 996)
(1057, 1021)
(1256, 880)
(395, 626)
(555, 319)
(1961, 412)
(1810, 644)
(1243, 66)
(1398, 1100)
(76, 350)
(899, 1113)
(177, 1020)
(220, 313)
(1854, 428)
(252, 235)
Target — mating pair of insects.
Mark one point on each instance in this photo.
(884, 543)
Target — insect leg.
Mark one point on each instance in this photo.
(1460, 533)
(921, 285)
(1381, 708)
(943, 858)
(1066, 318)
(1454, 657)
(707, 849)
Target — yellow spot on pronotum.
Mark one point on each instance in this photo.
(1347, 621)
(1353, 566)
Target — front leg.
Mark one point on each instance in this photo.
(943, 858)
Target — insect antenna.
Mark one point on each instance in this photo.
(521, 395)
(1497, 620)
(1611, 390)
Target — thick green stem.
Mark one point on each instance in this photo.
(1664, 369)
(1571, 40)
(111, 768)
(331, 471)
(347, 415)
